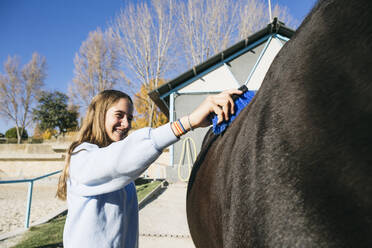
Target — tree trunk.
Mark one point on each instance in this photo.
(18, 135)
(151, 114)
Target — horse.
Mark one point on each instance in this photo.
(294, 169)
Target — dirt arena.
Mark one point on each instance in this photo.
(13, 203)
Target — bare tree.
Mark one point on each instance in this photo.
(210, 26)
(96, 67)
(207, 27)
(283, 14)
(145, 32)
(253, 16)
(19, 88)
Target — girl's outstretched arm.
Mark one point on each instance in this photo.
(95, 170)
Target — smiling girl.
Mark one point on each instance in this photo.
(104, 161)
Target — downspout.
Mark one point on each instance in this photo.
(171, 119)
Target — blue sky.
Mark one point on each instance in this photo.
(56, 28)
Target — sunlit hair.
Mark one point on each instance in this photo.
(92, 130)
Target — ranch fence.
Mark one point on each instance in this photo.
(29, 194)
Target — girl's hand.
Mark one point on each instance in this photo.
(222, 105)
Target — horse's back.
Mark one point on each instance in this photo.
(294, 168)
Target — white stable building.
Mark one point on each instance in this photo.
(246, 62)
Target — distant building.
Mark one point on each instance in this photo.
(246, 62)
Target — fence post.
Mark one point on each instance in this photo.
(29, 199)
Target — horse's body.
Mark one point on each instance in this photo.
(295, 167)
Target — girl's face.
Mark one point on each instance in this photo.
(118, 119)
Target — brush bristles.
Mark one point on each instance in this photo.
(240, 103)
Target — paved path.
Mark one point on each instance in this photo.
(163, 221)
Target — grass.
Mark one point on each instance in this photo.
(45, 235)
(50, 234)
(144, 189)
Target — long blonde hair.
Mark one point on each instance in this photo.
(92, 130)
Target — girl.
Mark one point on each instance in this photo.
(103, 163)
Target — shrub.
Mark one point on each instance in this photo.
(47, 134)
(11, 141)
(35, 140)
(12, 133)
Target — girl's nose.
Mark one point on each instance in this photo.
(125, 122)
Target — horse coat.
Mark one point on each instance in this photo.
(295, 167)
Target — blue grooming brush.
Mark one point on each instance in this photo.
(240, 102)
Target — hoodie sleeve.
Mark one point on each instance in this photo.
(95, 170)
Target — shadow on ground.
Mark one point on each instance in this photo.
(51, 245)
(152, 198)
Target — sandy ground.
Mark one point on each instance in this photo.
(13, 203)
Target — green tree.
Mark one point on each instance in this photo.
(12, 133)
(53, 112)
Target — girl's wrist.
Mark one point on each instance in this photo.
(187, 123)
(182, 126)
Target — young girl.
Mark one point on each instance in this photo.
(103, 163)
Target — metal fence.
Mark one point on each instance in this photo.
(29, 194)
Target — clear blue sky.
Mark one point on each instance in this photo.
(56, 28)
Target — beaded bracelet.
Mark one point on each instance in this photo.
(183, 129)
(178, 126)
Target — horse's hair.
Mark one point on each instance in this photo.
(207, 142)
(294, 168)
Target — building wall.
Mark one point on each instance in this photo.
(184, 105)
(215, 81)
(263, 66)
(250, 68)
(241, 66)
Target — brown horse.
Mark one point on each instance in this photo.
(295, 167)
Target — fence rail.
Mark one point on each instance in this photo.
(29, 194)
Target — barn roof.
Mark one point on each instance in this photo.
(161, 94)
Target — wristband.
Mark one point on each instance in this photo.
(183, 129)
(178, 128)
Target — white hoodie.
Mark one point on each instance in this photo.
(101, 196)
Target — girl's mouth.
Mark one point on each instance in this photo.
(121, 132)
